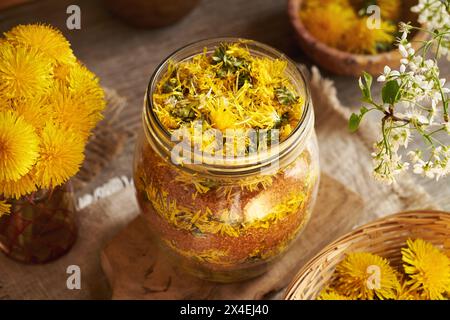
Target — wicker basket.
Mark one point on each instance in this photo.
(384, 237)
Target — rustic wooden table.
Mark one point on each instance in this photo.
(124, 57)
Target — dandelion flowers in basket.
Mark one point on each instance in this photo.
(423, 275)
(49, 103)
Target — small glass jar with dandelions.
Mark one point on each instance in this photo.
(414, 101)
(230, 200)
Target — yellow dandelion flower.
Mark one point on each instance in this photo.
(363, 40)
(19, 146)
(5, 104)
(221, 116)
(61, 72)
(329, 294)
(428, 268)
(16, 189)
(4, 207)
(405, 292)
(24, 73)
(329, 23)
(73, 112)
(46, 39)
(61, 155)
(366, 276)
(85, 85)
(34, 111)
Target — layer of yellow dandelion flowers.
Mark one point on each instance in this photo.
(49, 103)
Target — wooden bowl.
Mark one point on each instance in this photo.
(384, 237)
(345, 63)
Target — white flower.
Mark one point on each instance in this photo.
(432, 13)
(405, 27)
(387, 166)
(388, 73)
(400, 137)
(418, 167)
(424, 169)
(415, 156)
(443, 171)
(418, 109)
(415, 116)
(429, 63)
(434, 104)
(436, 152)
(404, 35)
(403, 51)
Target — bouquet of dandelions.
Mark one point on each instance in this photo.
(49, 103)
(414, 102)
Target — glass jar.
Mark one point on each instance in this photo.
(40, 227)
(227, 219)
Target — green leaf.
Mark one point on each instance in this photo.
(367, 79)
(285, 96)
(354, 121)
(365, 84)
(389, 93)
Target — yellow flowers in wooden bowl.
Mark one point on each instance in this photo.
(49, 103)
(345, 25)
(351, 36)
(404, 256)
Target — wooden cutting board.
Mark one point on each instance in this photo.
(137, 269)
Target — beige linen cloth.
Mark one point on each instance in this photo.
(344, 157)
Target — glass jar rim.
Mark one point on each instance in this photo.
(160, 137)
